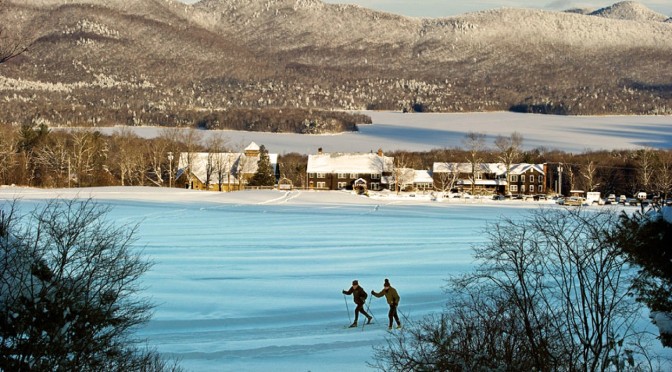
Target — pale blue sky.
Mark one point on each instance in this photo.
(444, 8)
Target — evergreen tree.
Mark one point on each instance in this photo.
(264, 175)
(647, 242)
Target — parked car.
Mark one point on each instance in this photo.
(498, 197)
(611, 199)
(622, 199)
(540, 197)
(574, 201)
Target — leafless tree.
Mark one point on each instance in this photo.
(589, 176)
(474, 142)
(403, 171)
(84, 147)
(69, 291)
(448, 176)
(191, 140)
(663, 174)
(550, 293)
(509, 152)
(570, 173)
(8, 152)
(11, 45)
(128, 156)
(645, 165)
(218, 163)
(55, 157)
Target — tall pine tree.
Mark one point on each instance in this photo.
(264, 175)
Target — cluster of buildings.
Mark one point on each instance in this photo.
(362, 172)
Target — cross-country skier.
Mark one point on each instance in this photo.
(359, 296)
(392, 299)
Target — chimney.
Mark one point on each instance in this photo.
(380, 152)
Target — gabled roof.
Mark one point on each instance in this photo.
(252, 147)
(525, 167)
(360, 163)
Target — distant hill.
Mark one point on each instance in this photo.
(161, 62)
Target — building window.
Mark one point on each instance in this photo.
(532, 188)
(541, 179)
(514, 188)
(342, 176)
(375, 176)
(321, 175)
(522, 178)
(541, 188)
(514, 178)
(353, 176)
(479, 176)
(342, 185)
(321, 185)
(375, 186)
(531, 178)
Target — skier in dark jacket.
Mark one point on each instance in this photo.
(359, 296)
(392, 298)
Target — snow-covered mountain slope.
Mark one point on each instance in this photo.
(630, 10)
(219, 54)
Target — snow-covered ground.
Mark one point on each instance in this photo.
(251, 281)
(421, 132)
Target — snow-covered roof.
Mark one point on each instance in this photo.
(252, 147)
(422, 176)
(349, 163)
(495, 168)
(525, 167)
(232, 164)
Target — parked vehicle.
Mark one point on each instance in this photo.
(593, 197)
(611, 198)
(641, 195)
(622, 199)
(574, 201)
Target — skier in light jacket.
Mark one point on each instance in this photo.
(359, 296)
(392, 298)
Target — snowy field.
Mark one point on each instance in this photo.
(421, 132)
(251, 281)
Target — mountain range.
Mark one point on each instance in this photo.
(162, 62)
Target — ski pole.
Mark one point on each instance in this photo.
(368, 312)
(346, 307)
(369, 307)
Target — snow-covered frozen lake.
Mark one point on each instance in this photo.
(422, 132)
(251, 281)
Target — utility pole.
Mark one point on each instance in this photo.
(170, 169)
(560, 179)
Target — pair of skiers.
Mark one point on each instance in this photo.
(359, 297)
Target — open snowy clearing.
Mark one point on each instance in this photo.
(422, 132)
(251, 281)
